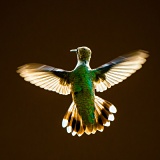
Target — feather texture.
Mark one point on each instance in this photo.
(118, 70)
(87, 113)
(46, 77)
(103, 114)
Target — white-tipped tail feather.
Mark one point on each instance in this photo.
(111, 117)
(74, 133)
(64, 123)
(112, 109)
(103, 113)
(69, 129)
(107, 124)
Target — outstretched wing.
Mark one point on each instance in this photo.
(118, 70)
(46, 77)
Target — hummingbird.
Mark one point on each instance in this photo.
(87, 113)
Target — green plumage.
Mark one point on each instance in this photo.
(83, 93)
(87, 113)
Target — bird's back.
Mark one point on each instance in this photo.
(83, 93)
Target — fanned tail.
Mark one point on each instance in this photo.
(103, 113)
(73, 121)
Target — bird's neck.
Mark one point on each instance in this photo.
(80, 62)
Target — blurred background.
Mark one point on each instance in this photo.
(44, 32)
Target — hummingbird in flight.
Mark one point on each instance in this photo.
(87, 112)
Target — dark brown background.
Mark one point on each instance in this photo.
(44, 32)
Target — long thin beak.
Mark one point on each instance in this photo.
(73, 50)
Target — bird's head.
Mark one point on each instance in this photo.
(83, 53)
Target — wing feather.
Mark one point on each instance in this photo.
(118, 69)
(47, 77)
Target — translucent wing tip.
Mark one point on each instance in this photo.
(143, 53)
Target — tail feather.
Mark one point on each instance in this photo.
(94, 129)
(103, 113)
(89, 129)
(80, 129)
(74, 124)
(67, 116)
(99, 124)
(70, 120)
(105, 104)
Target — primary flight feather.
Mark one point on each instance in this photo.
(88, 112)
